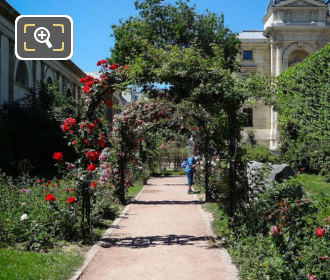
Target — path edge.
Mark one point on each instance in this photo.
(223, 252)
(96, 247)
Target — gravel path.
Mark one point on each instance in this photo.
(164, 235)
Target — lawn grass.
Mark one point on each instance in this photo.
(20, 265)
(220, 219)
(314, 185)
(134, 190)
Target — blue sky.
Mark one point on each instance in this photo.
(92, 20)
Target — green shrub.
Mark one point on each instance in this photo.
(274, 235)
(30, 133)
(29, 222)
(302, 100)
(258, 258)
(258, 153)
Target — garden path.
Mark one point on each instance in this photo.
(164, 235)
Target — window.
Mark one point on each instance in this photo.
(248, 117)
(22, 74)
(247, 55)
(49, 80)
(297, 56)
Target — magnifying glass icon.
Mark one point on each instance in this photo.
(41, 35)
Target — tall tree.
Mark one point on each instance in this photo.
(163, 29)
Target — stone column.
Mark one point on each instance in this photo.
(4, 68)
(274, 125)
(11, 70)
(279, 54)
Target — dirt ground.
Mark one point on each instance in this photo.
(163, 236)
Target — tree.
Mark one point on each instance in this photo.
(177, 31)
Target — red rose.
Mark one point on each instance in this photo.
(39, 181)
(92, 185)
(98, 120)
(101, 143)
(82, 125)
(70, 200)
(104, 78)
(65, 127)
(86, 89)
(89, 78)
(70, 166)
(70, 121)
(82, 79)
(302, 169)
(93, 156)
(319, 232)
(88, 83)
(71, 190)
(91, 127)
(91, 167)
(58, 156)
(85, 141)
(114, 66)
(50, 197)
(100, 62)
(108, 103)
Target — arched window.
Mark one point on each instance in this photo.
(49, 80)
(22, 75)
(297, 56)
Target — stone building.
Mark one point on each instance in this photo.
(293, 29)
(18, 77)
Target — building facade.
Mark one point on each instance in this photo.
(293, 29)
(18, 77)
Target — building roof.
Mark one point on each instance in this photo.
(252, 36)
(273, 3)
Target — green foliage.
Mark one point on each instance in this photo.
(160, 24)
(29, 222)
(21, 265)
(30, 133)
(258, 153)
(173, 44)
(257, 258)
(274, 235)
(302, 100)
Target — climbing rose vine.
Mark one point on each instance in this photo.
(87, 134)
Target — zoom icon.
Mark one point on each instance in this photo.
(43, 37)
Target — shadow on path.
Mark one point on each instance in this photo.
(167, 202)
(152, 241)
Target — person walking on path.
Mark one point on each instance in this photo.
(190, 170)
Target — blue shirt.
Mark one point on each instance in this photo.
(191, 161)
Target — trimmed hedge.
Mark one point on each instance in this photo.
(302, 100)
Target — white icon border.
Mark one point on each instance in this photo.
(44, 58)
